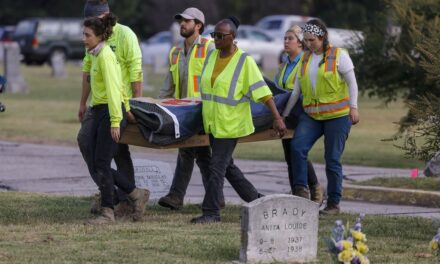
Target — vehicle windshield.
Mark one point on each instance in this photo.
(49, 28)
(24, 28)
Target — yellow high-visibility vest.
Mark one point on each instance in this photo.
(330, 99)
(195, 66)
(226, 106)
(290, 81)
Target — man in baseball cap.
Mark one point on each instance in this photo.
(186, 61)
(192, 13)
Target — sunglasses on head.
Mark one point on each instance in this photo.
(219, 35)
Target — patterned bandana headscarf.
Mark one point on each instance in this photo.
(313, 29)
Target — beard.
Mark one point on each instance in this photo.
(187, 33)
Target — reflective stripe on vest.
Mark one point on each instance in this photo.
(305, 62)
(230, 99)
(200, 49)
(196, 59)
(175, 55)
(330, 62)
(326, 108)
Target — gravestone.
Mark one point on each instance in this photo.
(11, 61)
(156, 176)
(279, 228)
(58, 64)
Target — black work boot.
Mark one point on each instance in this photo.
(206, 219)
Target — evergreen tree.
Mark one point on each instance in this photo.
(391, 64)
(422, 137)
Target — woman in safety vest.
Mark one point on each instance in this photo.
(230, 80)
(108, 115)
(284, 79)
(329, 90)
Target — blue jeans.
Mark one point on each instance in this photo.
(335, 133)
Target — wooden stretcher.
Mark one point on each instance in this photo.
(133, 136)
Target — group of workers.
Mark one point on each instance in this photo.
(323, 93)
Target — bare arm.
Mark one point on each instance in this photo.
(136, 87)
(85, 92)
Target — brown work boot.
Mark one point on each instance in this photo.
(139, 197)
(316, 194)
(96, 204)
(301, 191)
(330, 209)
(124, 208)
(106, 217)
(171, 201)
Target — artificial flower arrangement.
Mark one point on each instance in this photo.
(434, 245)
(348, 244)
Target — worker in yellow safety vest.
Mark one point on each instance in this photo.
(186, 61)
(328, 86)
(284, 79)
(125, 45)
(230, 80)
(109, 118)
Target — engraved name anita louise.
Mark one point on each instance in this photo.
(284, 212)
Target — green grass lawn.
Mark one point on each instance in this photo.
(48, 114)
(37, 228)
(420, 183)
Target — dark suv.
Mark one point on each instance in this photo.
(42, 38)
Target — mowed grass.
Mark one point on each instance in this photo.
(420, 183)
(48, 114)
(39, 228)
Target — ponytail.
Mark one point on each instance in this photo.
(102, 26)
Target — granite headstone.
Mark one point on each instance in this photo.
(58, 64)
(11, 61)
(279, 228)
(156, 176)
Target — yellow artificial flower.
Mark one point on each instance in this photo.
(346, 244)
(361, 247)
(433, 245)
(358, 236)
(346, 256)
